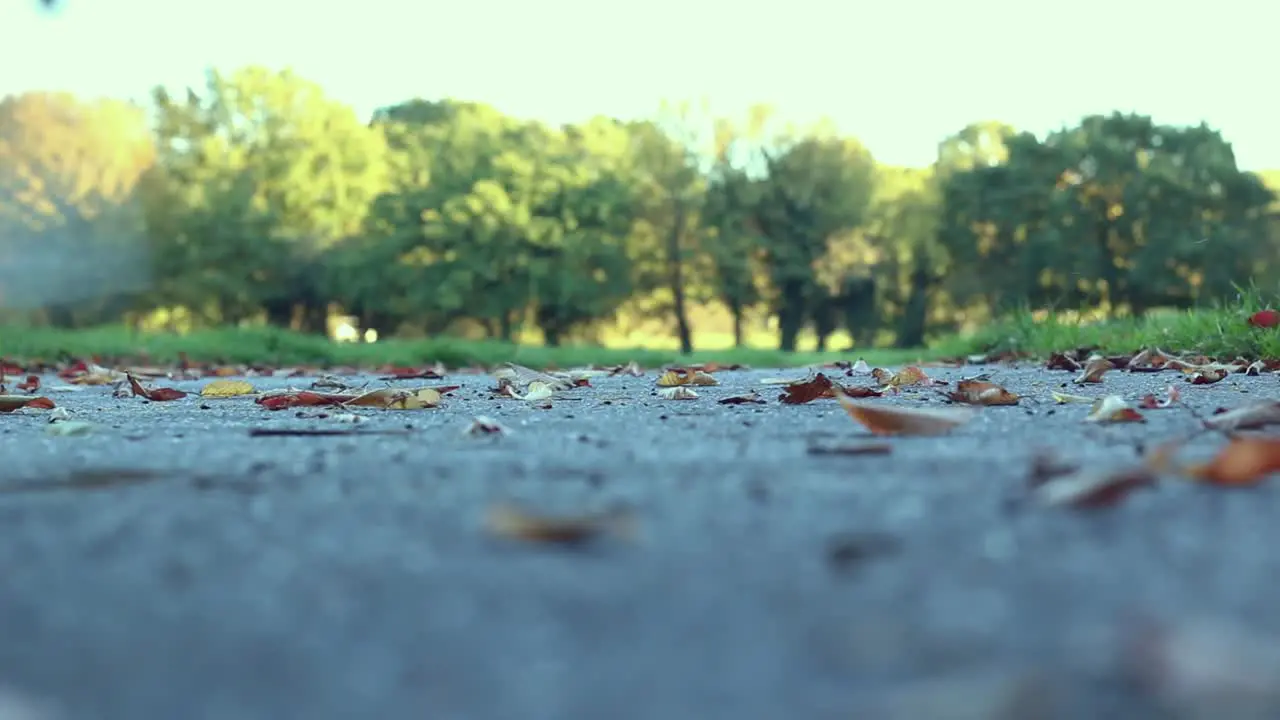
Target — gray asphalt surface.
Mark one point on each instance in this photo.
(353, 577)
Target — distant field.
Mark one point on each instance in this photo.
(283, 347)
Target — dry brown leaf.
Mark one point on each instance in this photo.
(978, 392)
(513, 522)
(1249, 417)
(423, 398)
(1113, 409)
(903, 421)
(1207, 376)
(750, 398)
(807, 391)
(1092, 488)
(679, 392)
(1245, 461)
(1094, 370)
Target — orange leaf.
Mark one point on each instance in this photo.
(1245, 461)
(806, 391)
(978, 392)
(904, 421)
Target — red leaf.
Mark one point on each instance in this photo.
(155, 394)
(1265, 319)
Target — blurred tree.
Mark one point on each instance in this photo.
(70, 225)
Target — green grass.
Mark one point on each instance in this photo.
(1220, 331)
(271, 346)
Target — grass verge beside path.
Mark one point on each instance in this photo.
(271, 346)
(1222, 332)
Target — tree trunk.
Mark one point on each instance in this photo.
(675, 266)
(279, 312)
(739, 332)
(790, 314)
(505, 327)
(915, 316)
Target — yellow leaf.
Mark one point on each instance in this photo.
(538, 390)
(226, 388)
(395, 399)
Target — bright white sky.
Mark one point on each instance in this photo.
(900, 76)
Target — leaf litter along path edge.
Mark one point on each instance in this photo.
(286, 548)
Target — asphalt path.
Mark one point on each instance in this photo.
(169, 565)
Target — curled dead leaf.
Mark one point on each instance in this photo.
(679, 392)
(683, 376)
(1113, 409)
(1249, 417)
(744, 399)
(1093, 371)
(978, 392)
(423, 398)
(905, 421)
(154, 394)
(9, 403)
(806, 391)
(1207, 376)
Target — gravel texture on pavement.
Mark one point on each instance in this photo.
(256, 578)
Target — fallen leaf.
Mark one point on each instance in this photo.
(1244, 461)
(1062, 361)
(1092, 488)
(1064, 398)
(678, 392)
(68, 427)
(785, 381)
(279, 400)
(1207, 376)
(30, 385)
(226, 389)
(483, 425)
(1112, 409)
(1093, 371)
(1151, 402)
(523, 376)
(154, 394)
(9, 403)
(510, 521)
(1264, 319)
(423, 398)
(319, 432)
(859, 368)
(807, 391)
(903, 421)
(410, 373)
(538, 391)
(680, 376)
(977, 392)
(1249, 417)
(744, 399)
